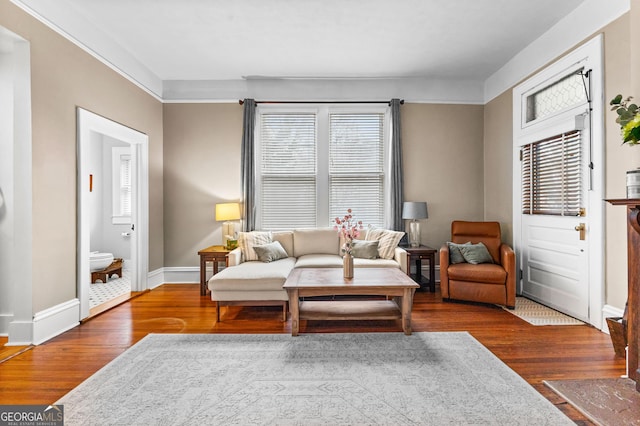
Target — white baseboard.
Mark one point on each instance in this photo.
(55, 320)
(155, 278)
(179, 275)
(609, 311)
(182, 275)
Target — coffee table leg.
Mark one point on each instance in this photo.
(407, 302)
(294, 301)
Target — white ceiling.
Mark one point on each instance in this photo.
(230, 40)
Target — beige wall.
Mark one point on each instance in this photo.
(63, 77)
(498, 159)
(202, 150)
(442, 165)
(442, 154)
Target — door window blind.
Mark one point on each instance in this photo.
(288, 170)
(552, 176)
(356, 166)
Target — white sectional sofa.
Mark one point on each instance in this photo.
(254, 282)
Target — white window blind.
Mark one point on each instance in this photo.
(288, 170)
(356, 166)
(552, 176)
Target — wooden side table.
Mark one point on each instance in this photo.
(418, 254)
(213, 254)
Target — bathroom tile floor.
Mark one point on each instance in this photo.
(100, 293)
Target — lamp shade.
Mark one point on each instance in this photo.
(414, 210)
(227, 211)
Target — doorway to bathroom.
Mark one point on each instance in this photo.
(112, 212)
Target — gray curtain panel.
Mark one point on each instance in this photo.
(397, 182)
(248, 166)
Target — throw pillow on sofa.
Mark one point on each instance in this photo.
(248, 240)
(476, 253)
(365, 249)
(270, 252)
(387, 241)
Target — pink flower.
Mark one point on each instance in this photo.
(349, 229)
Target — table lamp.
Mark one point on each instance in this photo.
(414, 210)
(227, 212)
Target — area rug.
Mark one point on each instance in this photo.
(337, 379)
(606, 402)
(537, 314)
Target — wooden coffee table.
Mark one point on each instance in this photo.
(306, 282)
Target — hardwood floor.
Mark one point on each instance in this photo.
(43, 374)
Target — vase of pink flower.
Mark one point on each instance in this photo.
(349, 229)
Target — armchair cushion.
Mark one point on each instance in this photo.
(485, 273)
(455, 256)
(475, 253)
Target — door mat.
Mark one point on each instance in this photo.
(603, 401)
(537, 314)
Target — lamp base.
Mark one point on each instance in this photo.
(228, 231)
(414, 233)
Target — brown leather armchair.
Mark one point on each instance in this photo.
(486, 282)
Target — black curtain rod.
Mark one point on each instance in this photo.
(241, 102)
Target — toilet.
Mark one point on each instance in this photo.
(98, 261)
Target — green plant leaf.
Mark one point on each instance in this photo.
(616, 100)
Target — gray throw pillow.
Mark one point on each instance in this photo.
(365, 249)
(270, 252)
(476, 253)
(454, 252)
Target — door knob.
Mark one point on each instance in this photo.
(582, 229)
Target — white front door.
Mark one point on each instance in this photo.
(558, 190)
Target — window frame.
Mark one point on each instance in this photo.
(322, 113)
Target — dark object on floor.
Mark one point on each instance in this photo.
(603, 401)
(114, 269)
(618, 333)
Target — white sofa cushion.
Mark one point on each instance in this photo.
(253, 276)
(375, 263)
(285, 238)
(319, 261)
(315, 241)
